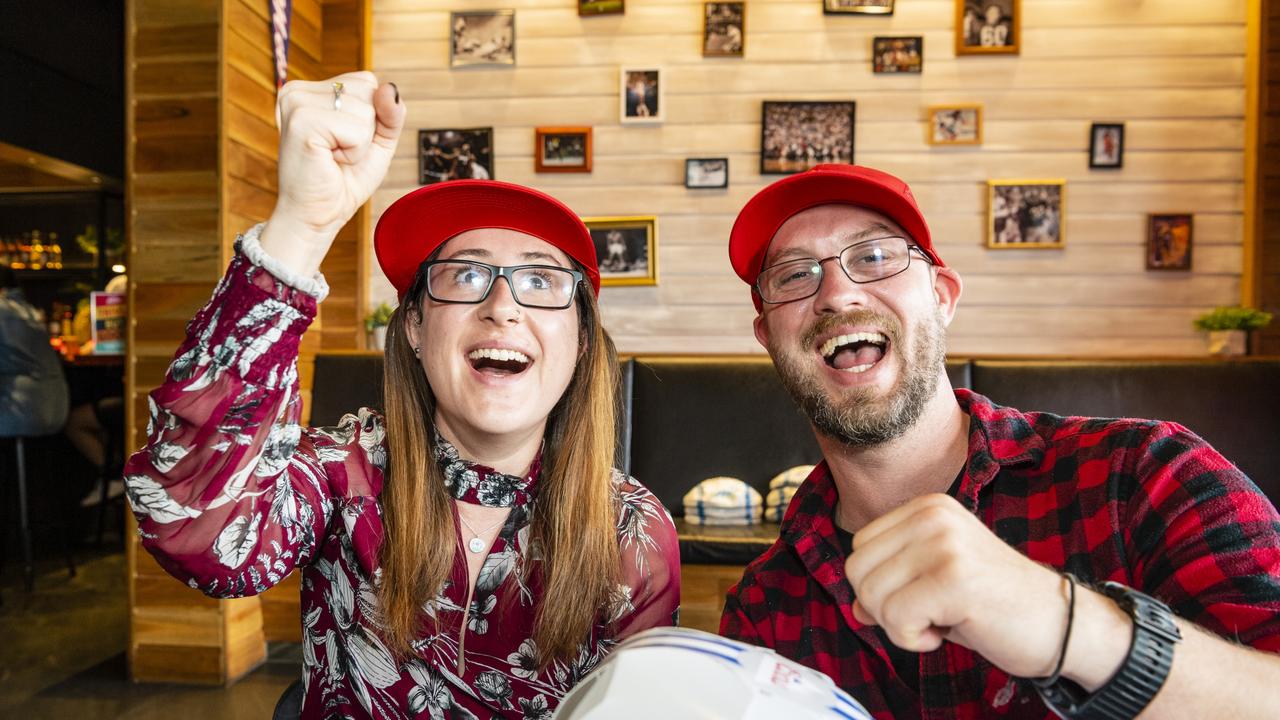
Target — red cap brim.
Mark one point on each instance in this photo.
(421, 221)
(765, 213)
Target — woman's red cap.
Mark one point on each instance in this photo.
(421, 221)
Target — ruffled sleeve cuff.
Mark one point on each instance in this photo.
(249, 245)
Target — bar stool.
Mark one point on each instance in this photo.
(110, 413)
(24, 523)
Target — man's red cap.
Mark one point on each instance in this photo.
(823, 185)
(421, 221)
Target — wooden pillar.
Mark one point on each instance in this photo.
(1263, 257)
(201, 167)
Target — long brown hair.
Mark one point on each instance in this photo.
(572, 526)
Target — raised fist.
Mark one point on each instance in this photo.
(337, 137)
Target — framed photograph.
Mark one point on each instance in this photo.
(1169, 241)
(892, 55)
(1106, 145)
(706, 173)
(483, 38)
(724, 29)
(954, 125)
(988, 27)
(857, 7)
(455, 154)
(626, 248)
(1025, 213)
(795, 136)
(601, 7)
(562, 149)
(640, 93)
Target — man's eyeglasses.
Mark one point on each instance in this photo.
(536, 286)
(863, 262)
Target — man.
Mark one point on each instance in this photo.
(921, 565)
(33, 393)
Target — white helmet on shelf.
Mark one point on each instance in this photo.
(683, 674)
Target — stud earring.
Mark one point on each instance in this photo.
(416, 350)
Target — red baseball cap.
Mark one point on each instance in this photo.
(822, 185)
(421, 221)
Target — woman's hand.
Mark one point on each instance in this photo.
(331, 161)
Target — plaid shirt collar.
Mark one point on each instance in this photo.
(998, 437)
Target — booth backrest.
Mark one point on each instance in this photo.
(688, 419)
(344, 383)
(1233, 405)
(697, 418)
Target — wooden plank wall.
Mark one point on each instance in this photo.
(1268, 342)
(202, 168)
(174, 259)
(1173, 71)
(345, 48)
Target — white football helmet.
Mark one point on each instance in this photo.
(684, 674)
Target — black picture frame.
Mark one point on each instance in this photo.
(691, 163)
(880, 64)
(1170, 240)
(773, 112)
(1100, 156)
(459, 149)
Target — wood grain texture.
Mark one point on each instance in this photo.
(1173, 72)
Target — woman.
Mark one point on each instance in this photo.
(470, 554)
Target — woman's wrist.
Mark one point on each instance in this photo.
(252, 244)
(297, 246)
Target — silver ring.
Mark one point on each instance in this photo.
(337, 96)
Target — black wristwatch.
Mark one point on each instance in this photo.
(1140, 676)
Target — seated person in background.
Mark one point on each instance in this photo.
(472, 553)
(926, 564)
(33, 392)
(93, 407)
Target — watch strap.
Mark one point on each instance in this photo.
(1139, 677)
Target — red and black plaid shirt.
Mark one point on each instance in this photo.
(1144, 503)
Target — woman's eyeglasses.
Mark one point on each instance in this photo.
(468, 281)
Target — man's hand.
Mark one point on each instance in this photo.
(930, 571)
(331, 161)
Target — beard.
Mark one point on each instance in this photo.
(860, 417)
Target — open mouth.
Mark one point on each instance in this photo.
(499, 362)
(855, 352)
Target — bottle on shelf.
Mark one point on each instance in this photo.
(55, 324)
(55, 252)
(37, 261)
(68, 321)
(24, 253)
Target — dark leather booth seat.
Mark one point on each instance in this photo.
(688, 419)
(1235, 406)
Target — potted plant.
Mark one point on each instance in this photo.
(375, 323)
(1229, 328)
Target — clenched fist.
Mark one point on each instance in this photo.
(929, 570)
(333, 155)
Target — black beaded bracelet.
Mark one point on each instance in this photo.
(1066, 637)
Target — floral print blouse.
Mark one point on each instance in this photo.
(232, 495)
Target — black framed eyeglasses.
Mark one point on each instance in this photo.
(467, 281)
(862, 262)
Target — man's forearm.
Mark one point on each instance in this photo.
(1210, 677)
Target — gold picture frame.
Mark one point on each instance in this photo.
(626, 249)
(958, 124)
(1026, 214)
(981, 32)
